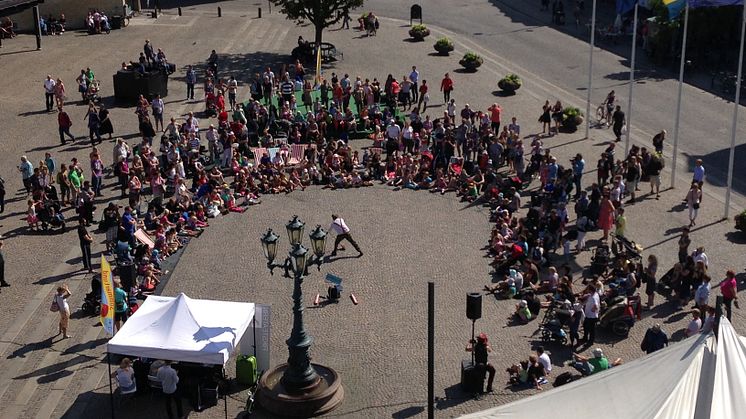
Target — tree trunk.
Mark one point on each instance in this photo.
(319, 33)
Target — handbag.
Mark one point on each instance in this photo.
(54, 307)
(695, 205)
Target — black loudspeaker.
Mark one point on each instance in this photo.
(127, 274)
(473, 306)
(472, 377)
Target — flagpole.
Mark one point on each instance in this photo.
(631, 80)
(590, 74)
(678, 102)
(734, 124)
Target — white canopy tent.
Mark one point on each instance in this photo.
(184, 329)
(700, 377)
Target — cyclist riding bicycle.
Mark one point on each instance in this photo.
(609, 102)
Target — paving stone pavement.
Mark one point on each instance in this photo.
(409, 238)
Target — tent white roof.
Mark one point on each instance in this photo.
(184, 329)
(700, 377)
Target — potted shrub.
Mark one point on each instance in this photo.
(419, 32)
(471, 61)
(571, 118)
(443, 46)
(510, 83)
(741, 221)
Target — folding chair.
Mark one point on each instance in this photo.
(273, 152)
(375, 150)
(258, 153)
(296, 153)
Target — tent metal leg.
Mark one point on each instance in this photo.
(111, 388)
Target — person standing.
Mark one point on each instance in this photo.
(658, 140)
(85, 244)
(446, 86)
(702, 296)
(618, 120)
(343, 233)
(191, 80)
(729, 290)
(232, 90)
(414, 78)
(149, 52)
(27, 171)
(49, 85)
(654, 168)
(157, 105)
(655, 339)
(591, 310)
(495, 112)
(693, 199)
(64, 123)
(63, 292)
(578, 166)
(104, 118)
(481, 350)
(94, 125)
(3, 282)
(97, 173)
(2, 196)
(169, 379)
(120, 305)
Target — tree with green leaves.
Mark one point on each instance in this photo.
(320, 13)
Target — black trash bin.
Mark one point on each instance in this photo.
(116, 22)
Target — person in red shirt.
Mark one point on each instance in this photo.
(63, 119)
(424, 97)
(446, 86)
(729, 290)
(495, 111)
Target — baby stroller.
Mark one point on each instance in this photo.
(50, 215)
(92, 92)
(621, 316)
(92, 300)
(600, 260)
(624, 248)
(552, 331)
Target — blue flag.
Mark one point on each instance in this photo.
(713, 3)
(624, 6)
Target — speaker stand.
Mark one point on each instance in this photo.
(473, 323)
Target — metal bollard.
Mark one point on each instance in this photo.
(179, 11)
(220, 12)
(260, 13)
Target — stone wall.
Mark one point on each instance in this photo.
(75, 12)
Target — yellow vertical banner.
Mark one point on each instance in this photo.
(107, 297)
(318, 65)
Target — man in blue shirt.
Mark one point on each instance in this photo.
(578, 165)
(27, 170)
(129, 225)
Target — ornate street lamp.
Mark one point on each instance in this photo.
(318, 244)
(295, 230)
(296, 388)
(269, 245)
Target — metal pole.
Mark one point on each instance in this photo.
(111, 390)
(678, 102)
(300, 374)
(631, 81)
(734, 124)
(718, 314)
(37, 27)
(590, 74)
(430, 350)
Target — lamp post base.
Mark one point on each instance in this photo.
(316, 400)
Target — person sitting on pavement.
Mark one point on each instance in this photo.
(595, 364)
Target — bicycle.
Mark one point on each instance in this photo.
(603, 116)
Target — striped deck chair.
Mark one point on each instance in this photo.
(296, 153)
(258, 153)
(273, 152)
